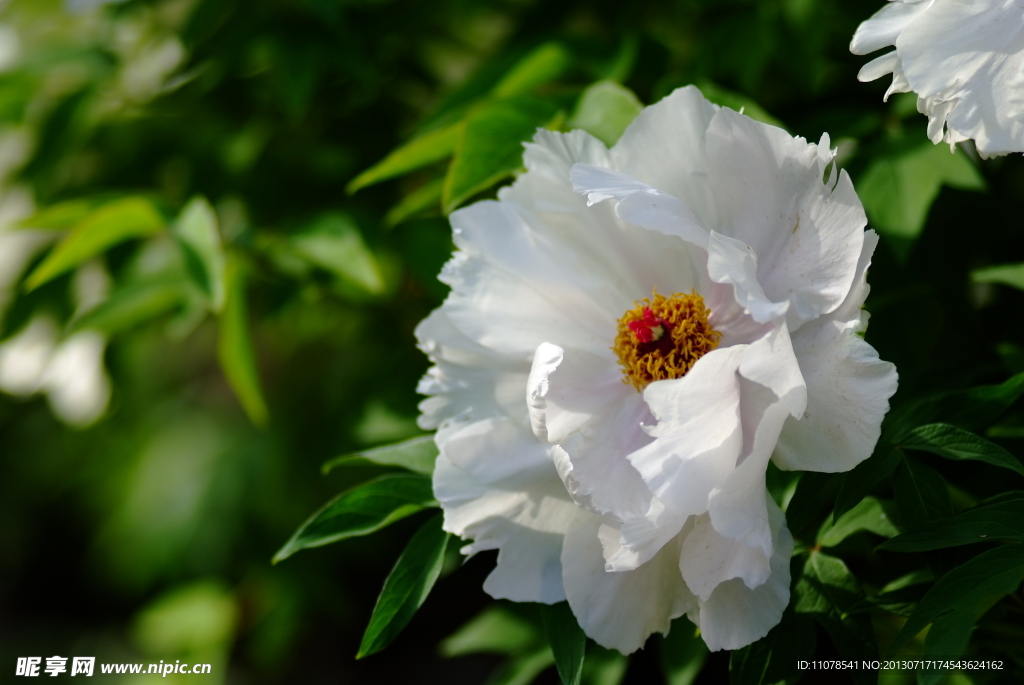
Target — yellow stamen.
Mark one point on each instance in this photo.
(684, 318)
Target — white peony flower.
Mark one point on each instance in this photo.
(965, 61)
(631, 335)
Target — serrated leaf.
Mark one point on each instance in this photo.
(773, 659)
(954, 443)
(496, 630)
(898, 189)
(604, 110)
(362, 510)
(428, 148)
(864, 477)
(425, 198)
(491, 145)
(542, 65)
(996, 572)
(417, 454)
(197, 233)
(95, 233)
(334, 243)
(406, 587)
(133, 304)
(1007, 274)
(871, 515)
(813, 492)
(1002, 519)
(921, 494)
(234, 345)
(567, 640)
(828, 591)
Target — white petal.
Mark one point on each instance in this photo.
(698, 435)
(708, 559)
(878, 67)
(771, 362)
(564, 393)
(620, 610)
(638, 203)
(664, 147)
(633, 541)
(807, 236)
(734, 615)
(849, 312)
(885, 26)
(733, 262)
(848, 391)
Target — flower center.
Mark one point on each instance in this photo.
(663, 338)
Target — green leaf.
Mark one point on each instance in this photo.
(491, 146)
(196, 230)
(606, 667)
(234, 346)
(971, 409)
(1002, 519)
(604, 110)
(901, 595)
(813, 492)
(543, 65)
(1007, 274)
(417, 454)
(738, 102)
(568, 641)
(96, 232)
(921, 494)
(829, 592)
(334, 243)
(773, 658)
(996, 572)
(424, 198)
(496, 630)
(871, 515)
(362, 510)
(134, 304)
(524, 669)
(428, 148)
(60, 216)
(898, 189)
(406, 587)
(957, 444)
(865, 476)
(683, 653)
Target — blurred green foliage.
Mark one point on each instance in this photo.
(244, 205)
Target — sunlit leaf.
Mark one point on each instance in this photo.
(407, 586)
(567, 640)
(543, 65)
(830, 593)
(95, 233)
(996, 572)
(426, 149)
(870, 514)
(60, 216)
(334, 243)
(417, 454)
(604, 110)
(523, 670)
(491, 146)
(362, 510)
(234, 346)
(196, 230)
(1007, 274)
(496, 630)
(957, 444)
(1002, 519)
(423, 199)
(133, 304)
(683, 653)
(898, 189)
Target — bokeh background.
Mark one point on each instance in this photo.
(162, 433)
